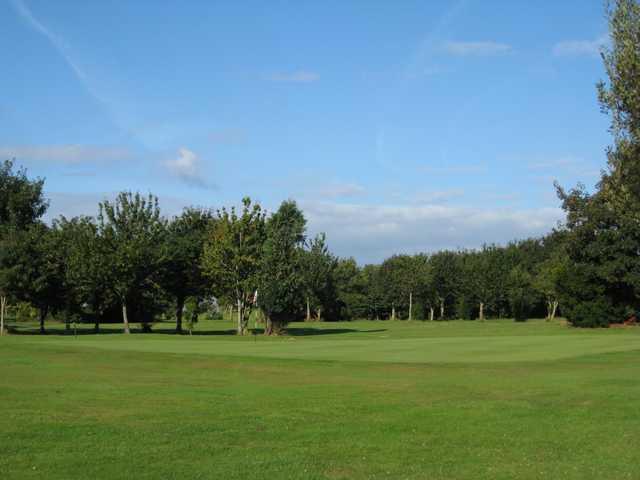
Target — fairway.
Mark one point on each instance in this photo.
(437, 400)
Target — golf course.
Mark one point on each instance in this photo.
(349, 400)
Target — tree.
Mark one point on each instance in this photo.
(22, 201)
(34, 268)
(546, 281)
(182, 275)
(132, 230)
(446, 277)
(281, 285)
(22, 204)
(603, 232)
(351, 290)
(88, 269)
(318, 267)
(232, 257)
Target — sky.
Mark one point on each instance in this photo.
(398, 127)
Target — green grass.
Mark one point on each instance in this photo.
(413, 400)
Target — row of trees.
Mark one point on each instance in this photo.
(133, 264)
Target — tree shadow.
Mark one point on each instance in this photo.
(291, 331)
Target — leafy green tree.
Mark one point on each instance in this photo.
(232, 257)
(182, 276)
(520, 293)
(22, 201)
(132, 231)
(446, 274)
(603, 233)
(546, 281)
(22, 204)
(281, 286)
(88, 269)
(318, 267)
(351, 290)
(34, 268)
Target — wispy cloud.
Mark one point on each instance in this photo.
(454, 169)
(298, 76)
(340, 190)
(67, 154)
(479, 49)
(228, 136)
(575, 48)
(564, 165)
(437, 196)
(57, 43)
(186, 167)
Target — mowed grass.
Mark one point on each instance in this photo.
(414, 400)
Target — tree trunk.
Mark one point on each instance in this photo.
(308, 319)
(243, 319)
(96, 324)
(481, 316)
(393, 312)
(3, 304)
(442, 309)
(125, 319)
(179, 309)
(43, 315)
(555, 308)
(410, 304)
(319, 314)
(268, 326)
(431, 314)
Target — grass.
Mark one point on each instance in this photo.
(412, 400)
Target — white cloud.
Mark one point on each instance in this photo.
(573, 48)
(186, 167)
(373, 232)
(299, 76)
(68, 154)
(487, 48)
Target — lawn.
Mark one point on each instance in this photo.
(433, 400)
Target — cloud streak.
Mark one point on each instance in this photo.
(577, 48)
(65, 154)
(299, 76)
(477, 49)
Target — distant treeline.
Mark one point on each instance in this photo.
(132, 264)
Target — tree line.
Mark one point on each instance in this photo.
(132, 264)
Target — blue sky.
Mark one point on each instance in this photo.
(397, 126)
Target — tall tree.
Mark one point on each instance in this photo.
(232, 257)
(88, 269)
(182, 275)
(35, 269)
(22, 204)
(22, 200)
(318, 267)
(132, 230)
(282, 287)
(602, 280)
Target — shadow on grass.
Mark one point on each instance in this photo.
(293, 331)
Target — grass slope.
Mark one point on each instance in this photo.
(451, 400)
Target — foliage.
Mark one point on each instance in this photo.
(132, 231)
(232, 257)
(281, 281)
